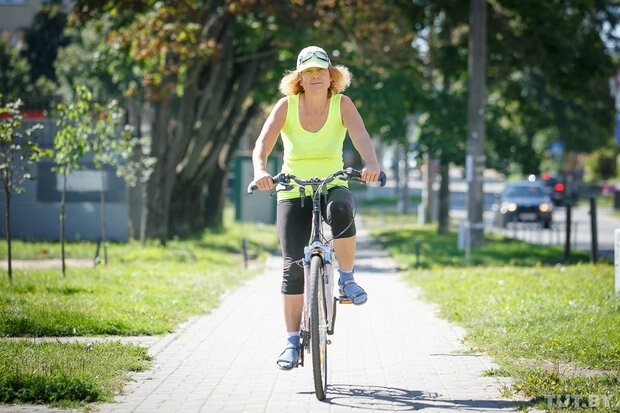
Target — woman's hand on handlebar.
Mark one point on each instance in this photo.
(370, 173)
(264, 181)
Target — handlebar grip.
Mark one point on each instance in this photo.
(382, 178)
(279, 178)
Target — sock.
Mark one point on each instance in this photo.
(346, 275)
(293, 337)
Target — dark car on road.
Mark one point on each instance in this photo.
(524, 201)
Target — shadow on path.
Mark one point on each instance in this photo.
(380, 398)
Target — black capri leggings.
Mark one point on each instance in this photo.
(294, 224)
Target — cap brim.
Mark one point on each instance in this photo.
(314, 61)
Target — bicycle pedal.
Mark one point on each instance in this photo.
(344, 300)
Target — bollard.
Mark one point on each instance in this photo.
(593, 229)
(417, 253)
(617, 259)
(567, 244)
(245, 251)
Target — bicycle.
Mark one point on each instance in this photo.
(319, 311)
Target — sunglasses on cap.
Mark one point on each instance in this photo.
(310, 53)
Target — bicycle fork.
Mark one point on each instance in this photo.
(324, 251)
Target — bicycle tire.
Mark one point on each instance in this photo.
(318, 328)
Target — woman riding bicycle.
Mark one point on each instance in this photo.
(313, 119)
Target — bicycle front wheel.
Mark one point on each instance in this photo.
(318, 327)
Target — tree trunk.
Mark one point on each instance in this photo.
(475, 120)
(195, 144)
(403, 202)
(222, 122)
(216, 197)
(7, 192)
(135, 205)
(165, 149)
(444, 198)
(103, 217)
(428, 195)
(186, 209)
(63, 197)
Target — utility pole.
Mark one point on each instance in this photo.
(475, 161)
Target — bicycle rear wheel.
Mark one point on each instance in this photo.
(318, 327)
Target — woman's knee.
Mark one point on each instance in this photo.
(339, 209)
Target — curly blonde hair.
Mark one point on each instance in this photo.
(340, 80)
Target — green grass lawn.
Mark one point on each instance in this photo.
(142, 291)
(553, 328)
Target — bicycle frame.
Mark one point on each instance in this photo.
(325, 251)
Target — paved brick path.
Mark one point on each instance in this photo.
(392, 354)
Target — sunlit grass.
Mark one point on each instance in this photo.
(66, 374)
(553, 328)
(142, 291)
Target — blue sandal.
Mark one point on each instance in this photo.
(289, 358)
(350, 289)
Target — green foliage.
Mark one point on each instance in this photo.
(84, 62)
(43, 39)
(409, 61)
(75, 127)
(115, 145)
(18, 151)
(14, 76)
(601, 164)
(549, 66)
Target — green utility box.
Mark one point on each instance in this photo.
(259, 206)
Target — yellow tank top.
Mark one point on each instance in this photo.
(312, 154)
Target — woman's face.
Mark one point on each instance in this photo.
(315, 79)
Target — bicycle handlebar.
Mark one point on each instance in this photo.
(345, 174)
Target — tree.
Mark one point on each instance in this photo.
(14, 77)
(443, 107)
(113, 144)
(41, 43)
(197, 72)
(43, 39)
(18, 153)
(104, 146)
(185, 63)
(548, 70)
(70, 145)
(197, 69)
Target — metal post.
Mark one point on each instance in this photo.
(568, 230)
(417, 253)
(467, 233)
(617, 259)
(244, 245)
(593, 229)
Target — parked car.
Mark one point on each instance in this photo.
(524, 201)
